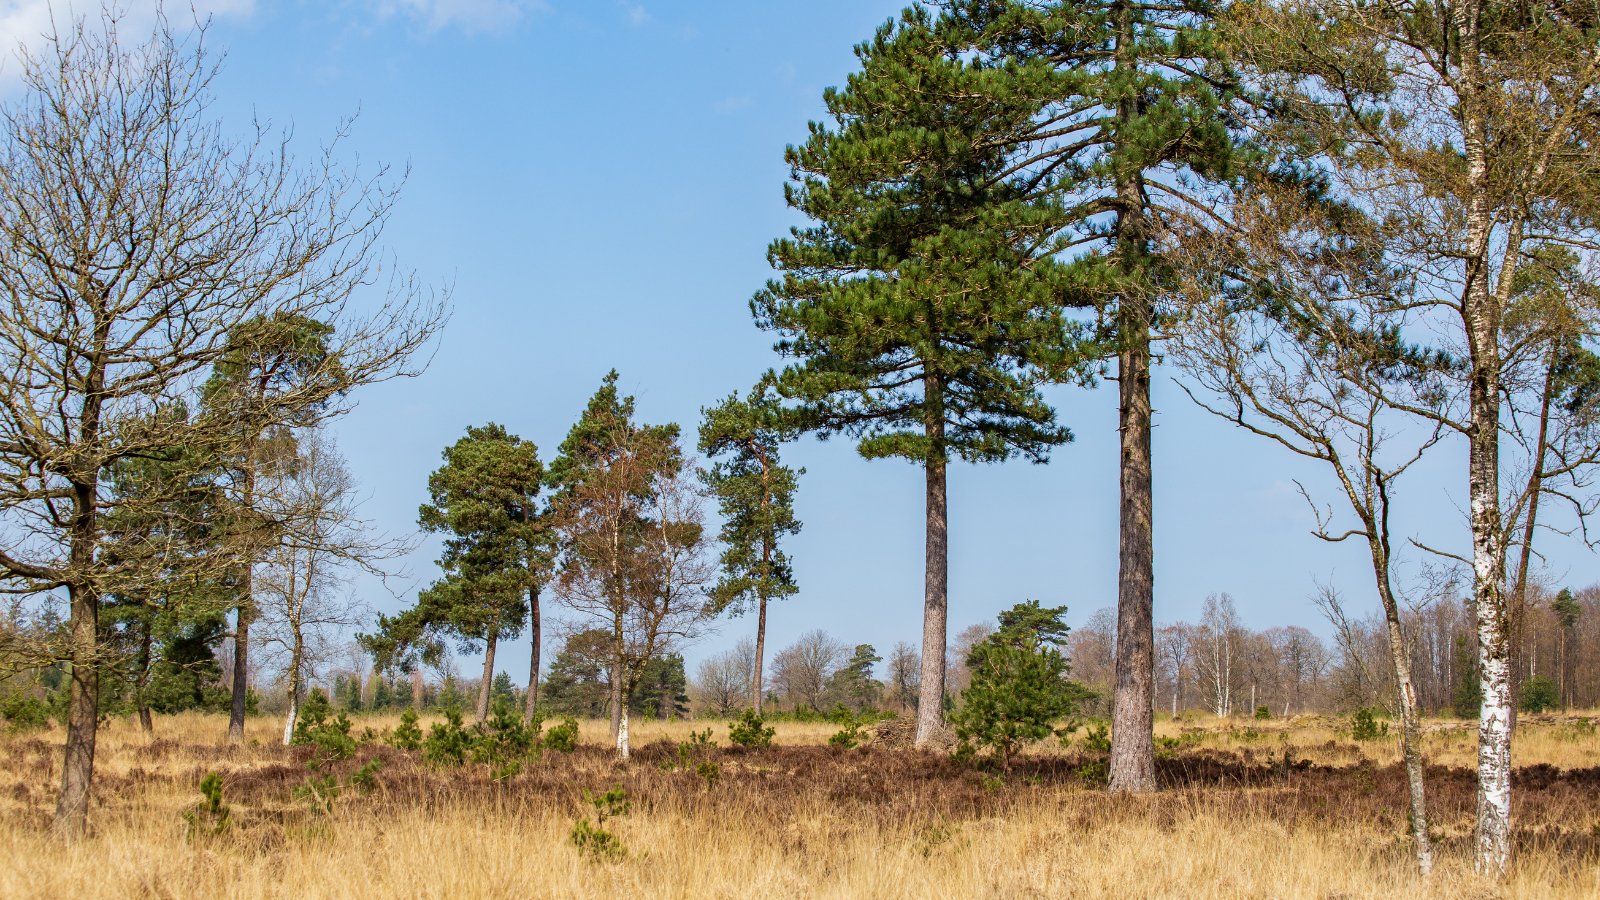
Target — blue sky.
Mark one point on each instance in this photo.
(599, 182)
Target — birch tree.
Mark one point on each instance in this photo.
(302, 582)
(1467, 132)
(1331, 407)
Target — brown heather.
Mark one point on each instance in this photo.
(1271, 810)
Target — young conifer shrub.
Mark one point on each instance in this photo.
(1020, 690)
(1364, 725)
(562, 738)
(408, 735)
(591, 838)
(751, 731)
(447, 742)
(503, 742)
(209, 817)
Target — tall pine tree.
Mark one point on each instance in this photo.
(1130, 132)
(918, 308)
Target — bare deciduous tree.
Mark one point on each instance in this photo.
(800, 671)
(134, 235)
(722, 683)
(299, 584)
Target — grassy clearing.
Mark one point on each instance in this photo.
(1273, 809)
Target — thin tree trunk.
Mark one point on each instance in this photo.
(1410, 717)
(83, 715)
(146, 724)
(1534, 490)
(488, 675)
(623, 750)
(936, 583)
(246, 610)
(761, 649)
(293, 717)
(535, 629)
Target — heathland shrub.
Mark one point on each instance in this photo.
(591, 838)
(406, 736)
(1538, 694)
(562, 738)
(1019, 689)
(503, 742)
(330, 735)
(1364, 725)
(23, 712)
(750, 731)
(447, 742)
(210, 816)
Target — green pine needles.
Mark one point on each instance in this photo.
(919, 311)
(1020, 692)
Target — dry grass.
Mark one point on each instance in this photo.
(1290, 809)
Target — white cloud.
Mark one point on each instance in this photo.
(24, 23)
(470, 16)
(636, 13)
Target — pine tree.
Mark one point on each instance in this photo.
(917, 308)
(1130, 133)
(486, 497)
(578, 683)
(632, 538)
(266, 358)
(755, 492)
(166, 512)
(1019, 690)
(497, 556)
(853, 685)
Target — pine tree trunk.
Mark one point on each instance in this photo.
(936, 584)
(241, 675)
(531, 706)
(761, 649)
(618, 699)
(488, 675)
(83, 714)
(1132, 729)
(146, 723)
(246, 611)
(1133, 699)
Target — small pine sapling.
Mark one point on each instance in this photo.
(591, 838)
(750, 731)
(210, 817)
(408, 735)
(1019, 688)
(1364, 725)
(447, 742)
(562, 738)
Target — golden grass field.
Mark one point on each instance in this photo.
(1273, 809)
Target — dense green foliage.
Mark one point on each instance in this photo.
(1020, 692)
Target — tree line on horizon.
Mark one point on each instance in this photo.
(1360, 232)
